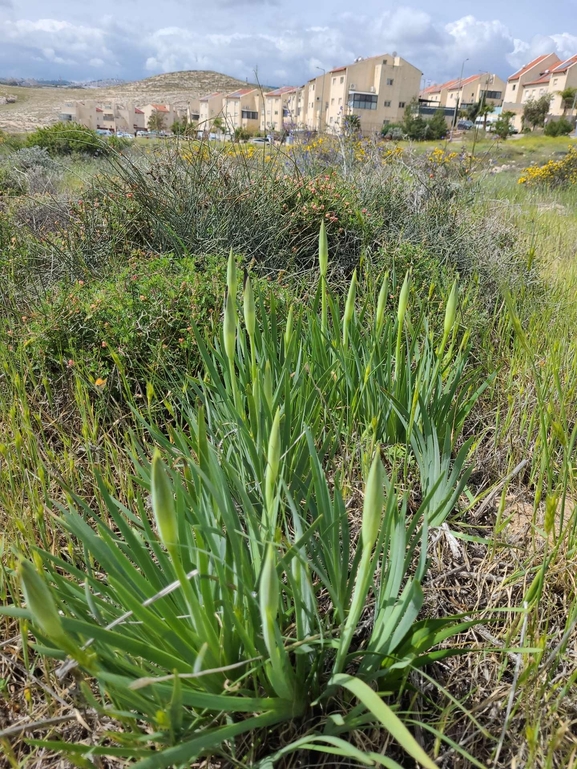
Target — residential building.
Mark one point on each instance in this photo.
(528, 73)
(436, 95)
(241, 109)
(376, 90)
(485, 87)
(279, 106)
(114, 116)
(564, 76)
(209, 108)
(529, 82)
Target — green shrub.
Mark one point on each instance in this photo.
(561, 127)
(137, 321)
(66, 139)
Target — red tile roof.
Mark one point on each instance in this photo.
(282, 90)
(210, 96)
(527, 67)
(460, 83)
(437, 88)
(99, 110)
(338, 69)
(138, 111)
(241, 92)
(544, 79)
(564, 66)
(161, 107)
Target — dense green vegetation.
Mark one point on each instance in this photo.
(269, 494)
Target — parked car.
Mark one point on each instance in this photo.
(465, 125)
(124, 135)
(142, 132)
(104, 132)
(261, 140)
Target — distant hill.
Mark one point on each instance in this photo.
(27, 82)
(39, 105)
(194, 82)
(104, 83)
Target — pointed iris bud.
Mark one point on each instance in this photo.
(163, 503)
(403, 300)
(373, 504)
(451, 310)
(249, 308)
(232, 275)
(323, 251)
(349, 309)
(289, 328)
(268, 593)
(382, 302)
(229, 328)
(40, 601)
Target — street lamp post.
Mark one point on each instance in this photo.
(458, 95)
(322, 98)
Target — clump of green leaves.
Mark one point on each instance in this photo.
(237, 605)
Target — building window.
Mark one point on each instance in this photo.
(340, 99)
(248, 114)
(493, 94)
(276, 112)
(363, 101)
(402, 104)
(334, 80)
(108, 116)
(514, 86)
(390, 81)
(384, 61)
(386, 122)
(555, 81)
(387, 104)
(313, 87)
(331, 120)
(332, 101)
(342, 80)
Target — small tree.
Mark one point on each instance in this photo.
(484, 112)
(218, 125)
(436, 127)
(536, 110)
(503, 124)
(568, 98)
(157, 121)
(352, 125)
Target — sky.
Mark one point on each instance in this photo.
(284, 43)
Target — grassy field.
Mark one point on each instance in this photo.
(275, 497)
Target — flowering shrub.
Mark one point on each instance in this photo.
(554, 173)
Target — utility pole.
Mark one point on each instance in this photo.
(322, 99)
(458, 96)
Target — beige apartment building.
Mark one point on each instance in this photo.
(376, 89)
(529, 73)
(279, 106)
(562, 77)
(436, 95)
(483, 87)
(525, 81)
(114, 116)
(210, 107)
(241, 109)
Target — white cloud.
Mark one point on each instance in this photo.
(260, 35)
